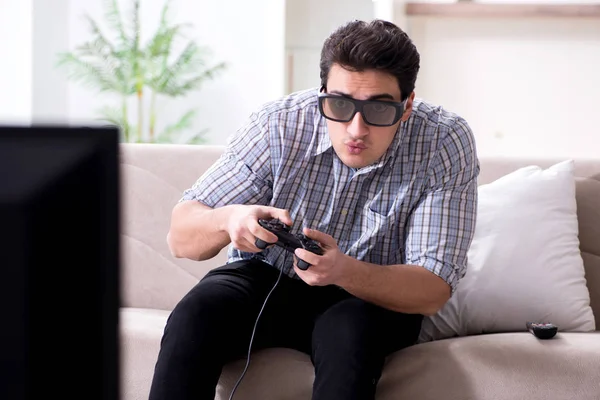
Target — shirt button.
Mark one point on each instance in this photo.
(344, 212)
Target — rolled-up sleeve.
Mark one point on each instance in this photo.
(242, 175)
(441, 228)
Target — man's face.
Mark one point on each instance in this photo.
(356, 143)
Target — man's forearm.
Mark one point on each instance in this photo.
(409, 289)
(197, 231)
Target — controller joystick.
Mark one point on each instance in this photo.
(273, 226)
(309, 245)
(288, 241)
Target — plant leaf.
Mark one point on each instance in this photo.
(98, 62)
(174, 80)
(175, 88)
(112, 15)
(116, 60)
(90, 74)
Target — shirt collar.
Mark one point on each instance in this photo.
(321, 135)
(392, 149)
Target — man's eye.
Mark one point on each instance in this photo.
(380, 107)
(341, 103)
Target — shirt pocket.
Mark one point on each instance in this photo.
(382, 205)
(374, 222)
(381, 215)
(373, 239)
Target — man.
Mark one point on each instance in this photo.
(384, 181)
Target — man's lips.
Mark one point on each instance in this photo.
(355, 148)
(356, 144)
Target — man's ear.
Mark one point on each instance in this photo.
(408, 107)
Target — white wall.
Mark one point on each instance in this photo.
(248, 35)
(16, 61)
(49, 102)
(308, 23)
(527, 86)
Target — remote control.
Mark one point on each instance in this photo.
(288, 241)
(542, 331)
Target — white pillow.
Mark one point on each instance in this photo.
(524, 262)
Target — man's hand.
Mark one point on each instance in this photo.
(326, 269)
(243, 228)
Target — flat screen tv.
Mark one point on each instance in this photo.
(59, 262)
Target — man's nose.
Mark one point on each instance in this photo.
(357, 127)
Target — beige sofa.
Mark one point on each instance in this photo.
(487, 367)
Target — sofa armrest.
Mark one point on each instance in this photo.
(155, 280)
(153, 178)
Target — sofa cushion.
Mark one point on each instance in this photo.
(273, 374)
(495, 367)
(141, 331)
(524, 263)
(485, 367)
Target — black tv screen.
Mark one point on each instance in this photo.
(59, 262)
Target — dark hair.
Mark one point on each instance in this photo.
(380, 45)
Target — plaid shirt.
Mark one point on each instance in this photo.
(416, 205)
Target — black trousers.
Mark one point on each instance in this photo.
(347, 338)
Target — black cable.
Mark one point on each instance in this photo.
(252, 337)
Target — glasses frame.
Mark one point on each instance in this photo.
(358, 108)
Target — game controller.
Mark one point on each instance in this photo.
(288, 240)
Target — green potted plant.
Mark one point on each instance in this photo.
(130, 69)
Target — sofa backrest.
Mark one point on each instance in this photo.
(155, 175)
